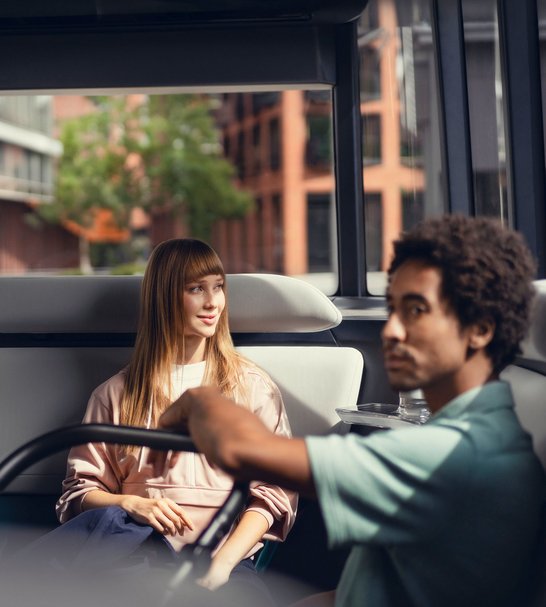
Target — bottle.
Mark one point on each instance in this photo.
(413, 406)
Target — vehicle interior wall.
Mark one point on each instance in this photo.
(67, 55)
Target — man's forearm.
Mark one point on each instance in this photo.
(238, 442)
(273, 459)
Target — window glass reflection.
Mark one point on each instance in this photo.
(401, 142)
(485, 103)
(91, 184)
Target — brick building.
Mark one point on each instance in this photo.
(28, 151)
(281, 143)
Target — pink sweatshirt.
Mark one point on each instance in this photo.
(199, 488)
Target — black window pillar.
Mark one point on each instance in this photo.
(348, 163)
(519, 43)
(448, 32)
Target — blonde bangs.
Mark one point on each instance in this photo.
(206, 264)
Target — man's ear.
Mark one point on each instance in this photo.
(481, 334)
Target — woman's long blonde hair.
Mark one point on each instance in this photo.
(172, 265)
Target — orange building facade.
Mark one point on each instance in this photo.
(281, 144)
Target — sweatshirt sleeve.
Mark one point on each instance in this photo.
(94, 465)
(276, 504)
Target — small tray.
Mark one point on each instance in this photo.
(378, 415)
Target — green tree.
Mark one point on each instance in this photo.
(182, 163)
(160, 153)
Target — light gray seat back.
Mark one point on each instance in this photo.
(528, 376)
(60, 337)
(313, 380)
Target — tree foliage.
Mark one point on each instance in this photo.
(161, 152)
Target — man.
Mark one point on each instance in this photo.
(443, 514)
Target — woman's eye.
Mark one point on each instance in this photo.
(219, 287)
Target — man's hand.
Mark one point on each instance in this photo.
(234, 439)
(215, 424)
(164, 515)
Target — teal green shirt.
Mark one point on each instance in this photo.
(437, 515)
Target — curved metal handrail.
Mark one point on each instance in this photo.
(70, 436)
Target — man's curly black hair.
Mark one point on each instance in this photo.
(487, 273)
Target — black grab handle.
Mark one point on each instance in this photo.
(70, 436)
(79, 434)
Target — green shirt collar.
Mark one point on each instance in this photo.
(489, 396)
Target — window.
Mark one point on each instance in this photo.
(402, 170)
(259, 230)
(240, 106)
(256, 149)
(200, 171)
(240, 157)
(261, 101)
(413, 209)
(278, 248)
(370, 76)
(319, 227)
(410, 147)
(541, 9)
(318, 97)
(373, 223)
(485, 104)
(227, 146)
(274, 144)
(318, 150)
(371, 138)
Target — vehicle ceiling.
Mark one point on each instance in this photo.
(33, 13)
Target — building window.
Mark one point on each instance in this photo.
(318, 97)
(371, 138)
(240, 106)
(260, 257)
(319, 226)
(240, 155)
(278, 245)
(318, 149)
(411, 153)
(370, 81)
(256, 150)
(413, 208)
(261, 101)
(274, 144)
(373, 228)
(227, 146)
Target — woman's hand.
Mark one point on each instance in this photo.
(217, 574)
(164, 515)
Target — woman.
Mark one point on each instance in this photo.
(183, 341)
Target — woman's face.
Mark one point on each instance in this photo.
(204, 302)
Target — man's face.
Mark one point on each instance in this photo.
(423, 343)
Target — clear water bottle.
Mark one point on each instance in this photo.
(413, 406)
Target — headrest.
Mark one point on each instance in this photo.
(534, 346)
(271, 303)
(94, 304)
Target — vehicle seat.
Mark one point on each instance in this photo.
(60, 337)
(527, 377)
(313, 379)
